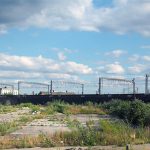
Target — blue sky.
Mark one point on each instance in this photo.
(74, 40)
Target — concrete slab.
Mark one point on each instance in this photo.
(9, 117)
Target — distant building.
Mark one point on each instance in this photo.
(8, 91)
(56, 93)
(43, 93)
(63, 93)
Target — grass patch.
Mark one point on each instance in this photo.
(107, 133)
(7, 127)
(65, 108)
(134, 128)
(26, 142)
(34, 108)
(7, 108)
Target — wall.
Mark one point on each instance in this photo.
(78, 99)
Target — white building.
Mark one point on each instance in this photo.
(8, 91)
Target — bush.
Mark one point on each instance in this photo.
(139, 113)
(118, 108)
(135, 112)
(59, 106)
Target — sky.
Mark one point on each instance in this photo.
(74, 40)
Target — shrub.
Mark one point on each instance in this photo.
(135, 112)
(58, 106)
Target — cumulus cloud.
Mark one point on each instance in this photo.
(136, 58)
(114, 68)
(21, 75)
(123, 17)
(75, 67)
(116, 53)
(39, 67)
(138, 68)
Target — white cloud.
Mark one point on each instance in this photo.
(39, 67)
(116, 53)
(138, 68)
(134, 57)
(123, 17)
(61, 56)
(70, 51)
(146, 58)
(114, 68)
(61, 53)
(74, 67)
(14, 62)
(21, 75)
(3, 29)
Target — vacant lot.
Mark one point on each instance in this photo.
(61, 125)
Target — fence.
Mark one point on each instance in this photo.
(116, 86)
(104, 85)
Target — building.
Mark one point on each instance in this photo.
(8, 91)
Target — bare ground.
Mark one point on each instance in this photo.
(133, 147)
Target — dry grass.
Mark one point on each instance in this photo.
(108, 133)
(7, 108)
(79, 109)
(26, 142)
(7, 127)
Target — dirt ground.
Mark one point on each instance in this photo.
(133, 147)
(8, 117)
(57, 123)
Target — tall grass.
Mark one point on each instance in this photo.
(107, 133)
(65, 108)
(7, 108)
(7, 127)
(132, 129)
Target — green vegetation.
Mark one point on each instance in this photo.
(107, 133)
(7, 127)
(136, 113)
(130, 125)
(34, 108)
(65, 108)
(7, 109)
